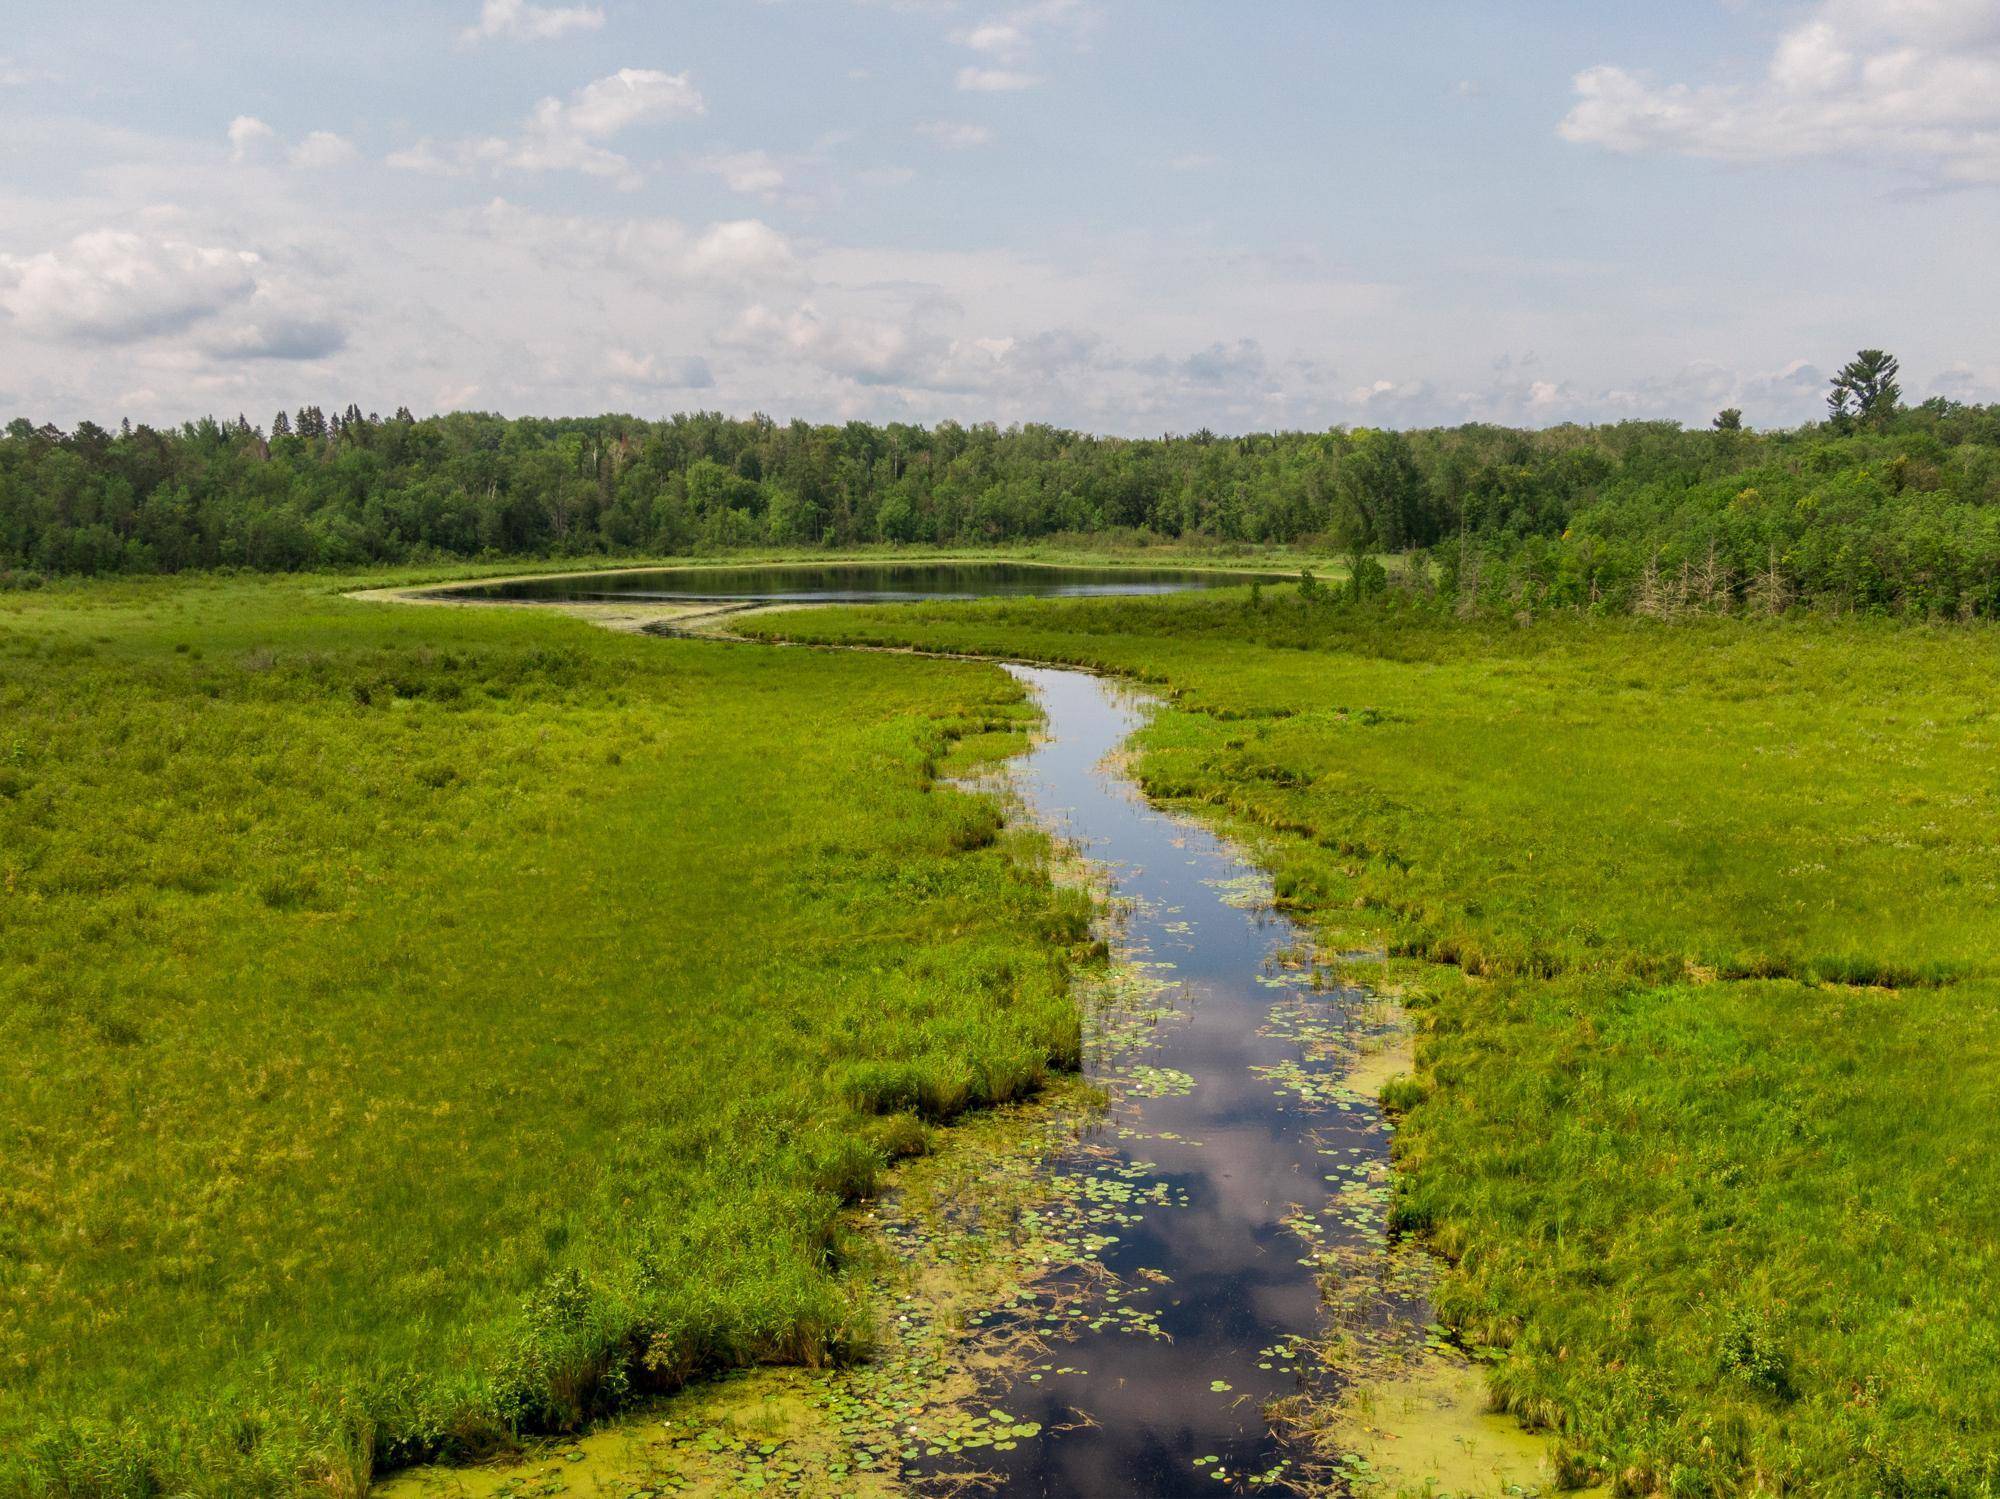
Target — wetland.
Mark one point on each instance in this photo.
(615, 1015)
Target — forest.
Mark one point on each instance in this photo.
(1880, 508)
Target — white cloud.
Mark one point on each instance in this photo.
(955, 135)
(628, 97)
(1226, 364)
(521, 22)
(629, 367)
(250, 139)
(247, 134)
(279, 335)
(451, 158)
(1007, 43)
(869, 351)
(113, 286)
(661, 253)
(567, 135)
(752, 172)
(322, 149)
(1004, 38)
(1911, 82)
(740, 248)
(994, 80)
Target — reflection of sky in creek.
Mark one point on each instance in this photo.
(1240, 1152)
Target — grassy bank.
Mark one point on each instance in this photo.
(418, 1025)
(1697, 921)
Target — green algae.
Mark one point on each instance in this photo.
(1430, 1431)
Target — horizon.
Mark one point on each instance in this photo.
(1048, 212)
(262, 427)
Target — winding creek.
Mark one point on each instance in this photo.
(1216, 1274)
(1222, 1106)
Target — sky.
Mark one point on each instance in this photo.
(1126, 216)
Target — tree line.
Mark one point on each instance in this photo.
(1881, 506)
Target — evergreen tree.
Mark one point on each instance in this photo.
(1865, 390)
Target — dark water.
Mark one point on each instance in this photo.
(860, 583)
(1222, 1104)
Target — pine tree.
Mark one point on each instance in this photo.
(281, 425)
(1865, 390)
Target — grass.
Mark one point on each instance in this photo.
(1697, 922)
(419, 1026)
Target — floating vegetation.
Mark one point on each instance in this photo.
(1246, 892)
(1156, 1082)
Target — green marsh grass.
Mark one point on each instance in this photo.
(1698, 925)
(421, 1026)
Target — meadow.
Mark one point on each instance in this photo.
(1695, 920)
(422, 1026)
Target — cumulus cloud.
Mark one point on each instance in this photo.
(629, 367)
(247, 134)
(279, 335)
(113, 286)
(1003, 38)
(955, 135)
(1914, 82)
(322, 149)
(1225, 364)
(518, 21)
(1012, 35)
(628, 97)
(756, 173)
(567, 134)
(1006, 44)
(250, 139)
(660, 252)
(868, 351)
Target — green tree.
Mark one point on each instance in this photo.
(1865, 390)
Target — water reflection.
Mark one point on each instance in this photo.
(1222, 1103)
(848, 583)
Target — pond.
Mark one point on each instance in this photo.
(849, 583)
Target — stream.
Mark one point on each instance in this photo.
(1240, 1163)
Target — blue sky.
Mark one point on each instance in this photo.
(1120, 216)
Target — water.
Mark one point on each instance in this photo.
(849, 583)
(1230, 1110)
